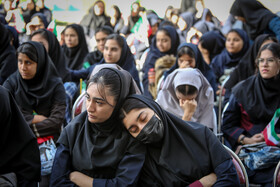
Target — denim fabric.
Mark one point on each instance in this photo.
(260, 157)
(47, 153)
(71, 88)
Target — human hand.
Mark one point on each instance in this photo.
(208, 180)
(38, 118)
(80, 179)
(189, 107)
(254, 139)
(219, 91)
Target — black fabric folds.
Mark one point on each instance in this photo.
(187, 152)
(96, 149)
(18, 145)
(36, 94)
(256, 15)
(259, 97)
(8, 61)
(57, 55)
(75, 55)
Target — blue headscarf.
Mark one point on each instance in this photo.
(214, 42)
(227, 60)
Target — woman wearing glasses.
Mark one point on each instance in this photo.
(252, 105)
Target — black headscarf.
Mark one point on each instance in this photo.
(187, 152)
(97, 148)
(14, 34)
(256, 15)
(57, 55)
(155, 54)
(127, 62)
(247, 64)
(227, 60)
(91, 21)
(8, 61)
(259, 97)
(214, 42)
(36, 94)
(18, 145)
(27, 14)
(42, 17)
(75, 55)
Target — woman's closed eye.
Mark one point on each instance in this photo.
(133, 129)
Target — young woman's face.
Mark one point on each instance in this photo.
(27, 67)
(234, 43)
(71, 37)
(186, 61)
(42, 40)
(99, 109)
(269, 65)
(163, 42)
(100, 41)
(112, 51)
(137, 119)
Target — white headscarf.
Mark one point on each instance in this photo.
(168, 100)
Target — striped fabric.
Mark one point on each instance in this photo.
(269, 133)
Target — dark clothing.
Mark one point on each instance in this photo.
(126, 62)
(227, 60)
(75, 55)
(58, 57)
(48, 13)
(14, 35)
(126, 29)
(8, 60)
(127, 172)
(43, 94)
(93, 57)
(91, 21)
(256, 15)
(154, 54)
(27, 14)
(187, 152)
(100, 150)
(18, 145)
(214, 42)
(251, 107)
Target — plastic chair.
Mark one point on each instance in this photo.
(276, 176)
(79, 105)
(241, 171)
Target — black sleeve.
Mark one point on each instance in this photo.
(61, 168)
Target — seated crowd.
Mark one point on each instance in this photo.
(149, 87)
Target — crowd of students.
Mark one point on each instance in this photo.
(150, 85)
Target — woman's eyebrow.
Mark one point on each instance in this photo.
(139, 116)
(99, 99)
